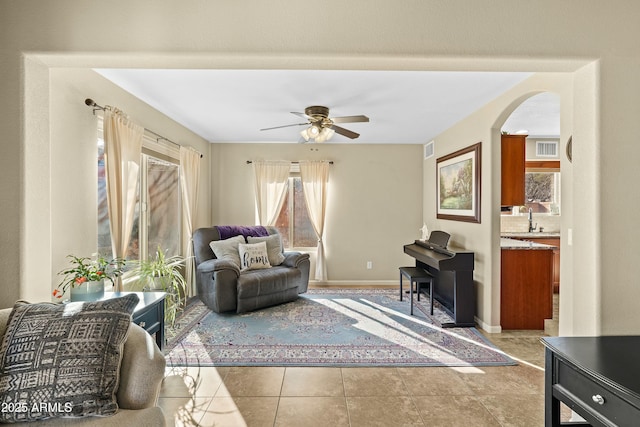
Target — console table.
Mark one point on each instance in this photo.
(597, 377)
(148, 314)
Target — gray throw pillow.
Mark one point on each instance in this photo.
(274, 247)
(227, 249)
(63, 360)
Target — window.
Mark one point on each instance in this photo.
(542, 191)
(159, 224)
(293, 222)
(163, 205)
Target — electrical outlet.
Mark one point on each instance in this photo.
(369, 265)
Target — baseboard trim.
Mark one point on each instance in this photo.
(488, 328)
(353, 284)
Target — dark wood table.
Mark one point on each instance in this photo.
(148, 314)
(597, 377)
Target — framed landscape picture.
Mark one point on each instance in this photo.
(458, 185)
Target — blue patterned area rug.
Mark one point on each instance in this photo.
(329, 327)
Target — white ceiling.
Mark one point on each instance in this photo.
(404, 107)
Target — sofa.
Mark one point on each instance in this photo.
(140, 378)
(223, 285)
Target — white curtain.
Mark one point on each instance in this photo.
(315, 179)
(272, 179)
(122, 148)
(189, 180)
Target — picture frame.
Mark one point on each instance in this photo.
(458, 185)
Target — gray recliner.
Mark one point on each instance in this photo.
(222, 287)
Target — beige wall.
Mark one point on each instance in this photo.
(373, 204)
(595, 40)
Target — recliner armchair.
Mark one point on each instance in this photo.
(222, 286)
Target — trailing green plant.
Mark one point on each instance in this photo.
(161, 273)
(85, 269)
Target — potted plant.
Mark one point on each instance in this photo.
(85, 279)
(162, 273)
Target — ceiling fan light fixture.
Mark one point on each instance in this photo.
(314, 130)
(316, 134)
(325, 135)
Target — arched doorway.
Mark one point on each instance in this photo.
(530, 215)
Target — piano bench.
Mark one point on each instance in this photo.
(417, 276)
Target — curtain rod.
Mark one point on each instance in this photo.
(91, 103)
(295, 163)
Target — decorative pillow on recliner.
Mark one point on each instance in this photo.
(274, 247)
(227, 249)
(63, 360)
(253, 256)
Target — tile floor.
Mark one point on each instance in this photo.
(364, 397)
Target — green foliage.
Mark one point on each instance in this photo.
(164, 274)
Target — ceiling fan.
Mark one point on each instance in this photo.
(320, 126)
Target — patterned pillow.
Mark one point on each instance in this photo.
(253, 256)
(227, 249)
(63, 360)
(274, 247)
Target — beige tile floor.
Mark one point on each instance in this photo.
(355, 397)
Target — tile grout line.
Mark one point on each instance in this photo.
(284, 374)
(344, 395)
(411, 396)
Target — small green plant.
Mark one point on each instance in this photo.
(85, 269)
(162, 273)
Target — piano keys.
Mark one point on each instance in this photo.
(453, 284)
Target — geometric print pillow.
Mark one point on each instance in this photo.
(63, 360)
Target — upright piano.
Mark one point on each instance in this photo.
(453, 285)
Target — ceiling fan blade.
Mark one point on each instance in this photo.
(303, 115)
(350, 119)
(344, 132)
(286, 126)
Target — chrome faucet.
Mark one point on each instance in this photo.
(531, 226)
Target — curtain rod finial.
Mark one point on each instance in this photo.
(90, 102)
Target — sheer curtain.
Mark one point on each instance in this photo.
(315, 179)
(189, 180)
(122, 148)
(272, 179)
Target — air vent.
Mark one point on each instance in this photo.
(429, 149)
(547, 148)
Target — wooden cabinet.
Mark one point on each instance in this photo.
(525, 288)
(513, 167)
(553, 241)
